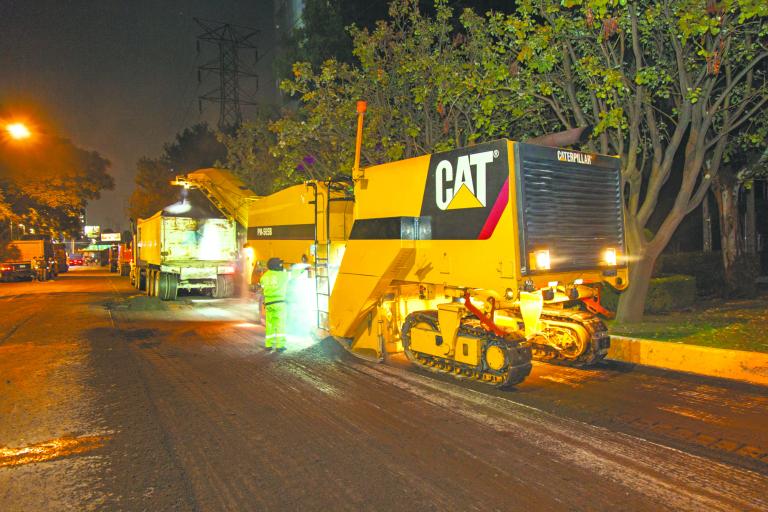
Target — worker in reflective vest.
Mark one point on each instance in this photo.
(274, 284)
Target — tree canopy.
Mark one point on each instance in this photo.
(675, 87)
(193, 148)
(46, 184)
(666, 83)
(431, 82)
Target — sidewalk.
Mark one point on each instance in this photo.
(739, 365)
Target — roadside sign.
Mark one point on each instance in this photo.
(110, 237)
(92, 232)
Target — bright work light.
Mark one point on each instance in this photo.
(542, 259)
(609, 256)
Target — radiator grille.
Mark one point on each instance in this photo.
(572, 209)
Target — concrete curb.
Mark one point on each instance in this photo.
(749, 367)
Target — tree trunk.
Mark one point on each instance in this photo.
(739, 269)
(706, 216)
(632, 300)
(750, 227)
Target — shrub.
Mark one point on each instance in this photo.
(671, 293)
(667, 293)
(706, 267)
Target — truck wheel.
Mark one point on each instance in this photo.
(225, 285)
(152, 289)
(168, 286)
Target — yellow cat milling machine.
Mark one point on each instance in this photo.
(473, 258)
(469, 261)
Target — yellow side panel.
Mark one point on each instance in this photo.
(350, 301)
(392, 190)
(148, 239)
(468, 351)
(425, 341)
(365, 275)
(288, 206)
(283, 224)
(341, 220)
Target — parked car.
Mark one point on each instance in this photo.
(32, 259)
(75, 261)
(17, 272)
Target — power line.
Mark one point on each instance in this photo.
(238, 80)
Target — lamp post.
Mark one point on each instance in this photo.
(18, 131)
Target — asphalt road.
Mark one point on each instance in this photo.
(113, 401)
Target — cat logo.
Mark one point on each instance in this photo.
(465, 186)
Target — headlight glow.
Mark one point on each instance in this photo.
(542, 259)
(609, 256)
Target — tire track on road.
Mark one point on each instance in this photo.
(701, 484)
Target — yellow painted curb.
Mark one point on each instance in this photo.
(714, 362)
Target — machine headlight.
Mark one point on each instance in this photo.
(609, 257)
(542, 259)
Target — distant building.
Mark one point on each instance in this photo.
(287, 17)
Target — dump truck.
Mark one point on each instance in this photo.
(35, 259)
(124, 258)
(185, 246)
(471, 261)
(231, 198)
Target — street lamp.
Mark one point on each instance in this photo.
(18, 131)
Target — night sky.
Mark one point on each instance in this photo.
(118, 77)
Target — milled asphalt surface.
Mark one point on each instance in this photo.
(114, 401)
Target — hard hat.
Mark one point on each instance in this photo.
(275, 264)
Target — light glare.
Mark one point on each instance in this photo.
(542, 260)
(18, 131)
